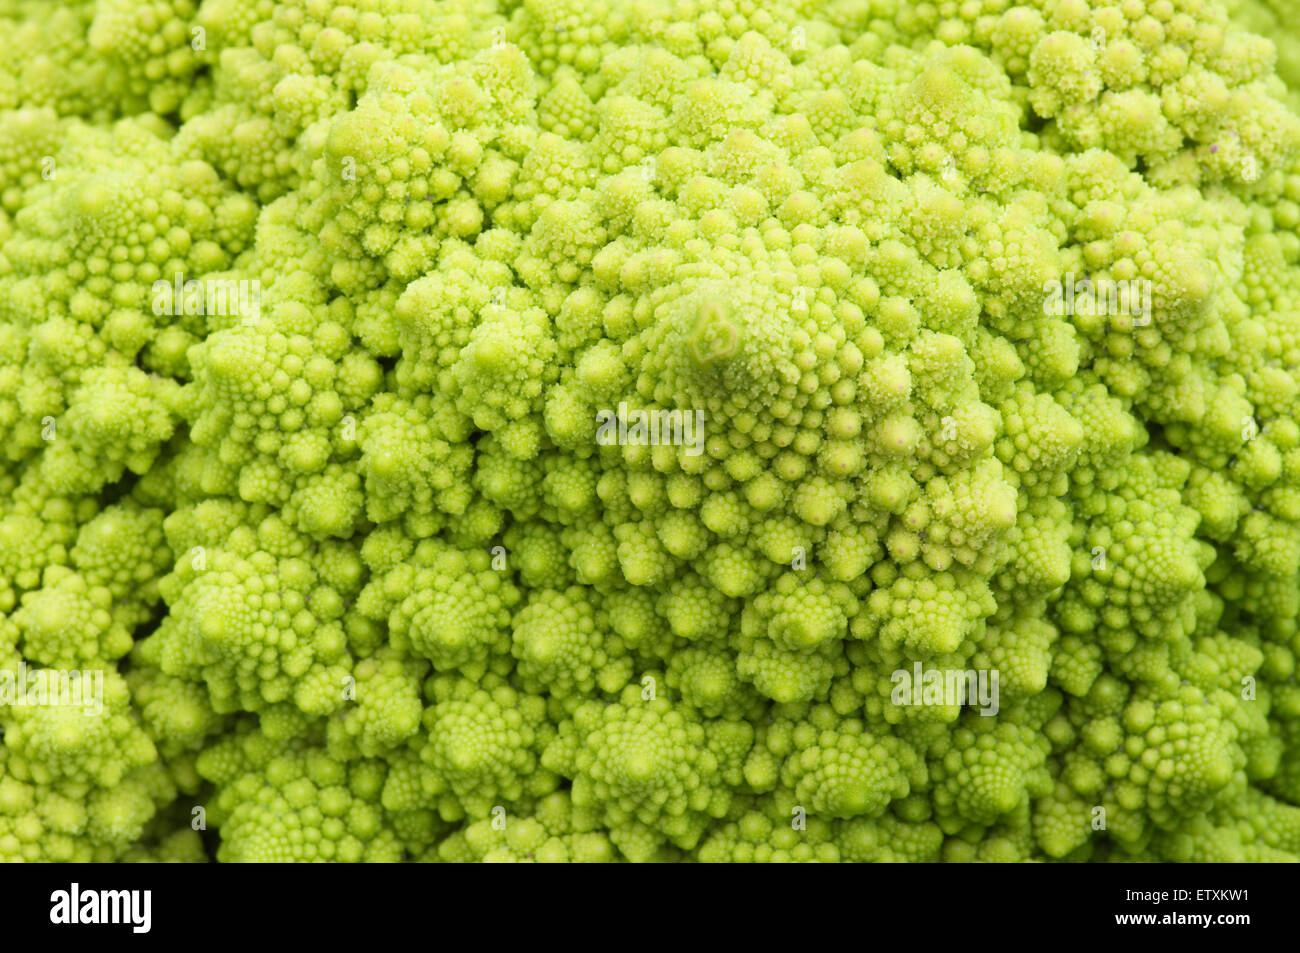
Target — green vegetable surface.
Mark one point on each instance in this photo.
(970, 332)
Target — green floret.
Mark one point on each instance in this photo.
(95, 739)
(554, 832)
(457, 612)
(258, 628)
(481, 750)
(846, 772)
(279, 802)
(560, 646)
(69, 624)
(646, 769)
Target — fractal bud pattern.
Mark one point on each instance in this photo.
(650, 430)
